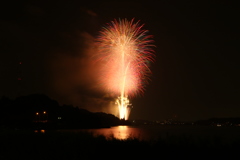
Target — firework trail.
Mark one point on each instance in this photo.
(125, 51)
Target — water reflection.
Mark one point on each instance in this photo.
(40, 131)
(123, 132)
(119, 132)
(152, 132)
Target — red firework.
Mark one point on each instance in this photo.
(125, 51)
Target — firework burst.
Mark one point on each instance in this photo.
(125, 49)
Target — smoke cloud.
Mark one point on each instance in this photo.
(55, 48)
(74, 78)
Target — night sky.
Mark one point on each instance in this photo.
(46, 48)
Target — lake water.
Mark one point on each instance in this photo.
(179, 141)
(228, 134)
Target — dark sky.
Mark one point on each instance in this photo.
(195, 75)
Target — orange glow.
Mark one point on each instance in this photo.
(37, 113)
(123, 133)
(44, 112)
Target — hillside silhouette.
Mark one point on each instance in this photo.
(38, 111)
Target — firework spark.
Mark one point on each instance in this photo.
(125, 50)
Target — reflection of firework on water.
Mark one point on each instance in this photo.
(125, 50)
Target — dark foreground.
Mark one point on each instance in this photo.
(52, 145)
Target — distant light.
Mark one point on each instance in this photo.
(59, 117)
(44, 112)
(37, 113)
(42, 131)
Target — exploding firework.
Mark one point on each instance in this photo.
(125, 51)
